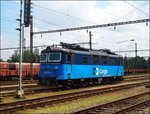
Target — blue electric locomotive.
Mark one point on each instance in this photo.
(75, 65)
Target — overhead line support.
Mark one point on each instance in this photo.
(94, 26)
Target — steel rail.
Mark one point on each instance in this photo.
(108, 107)
(34, 89)
(133, 107)
(16, 82)
(30, 90)
(50, 100)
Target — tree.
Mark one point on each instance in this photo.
(148, 62)
(125, 62)
(15, 57)
(34, 58)
(26, 56)
(36, 55)
(136, 63)
(1, 60)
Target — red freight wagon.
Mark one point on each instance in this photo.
(3, 69)
(9, 71)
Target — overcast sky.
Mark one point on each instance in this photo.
(51, 15)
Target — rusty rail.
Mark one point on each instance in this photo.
(116, 107)
(50, 100)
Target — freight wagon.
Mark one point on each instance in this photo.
(10, 71)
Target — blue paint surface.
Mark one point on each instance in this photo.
(65, 71)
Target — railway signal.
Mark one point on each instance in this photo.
(27, 8)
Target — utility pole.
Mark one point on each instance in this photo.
(31, 45)
(135, 55)
(23, 40)
(135, 49)
(90, 40)
(20, 91)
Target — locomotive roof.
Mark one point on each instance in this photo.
(102, 52)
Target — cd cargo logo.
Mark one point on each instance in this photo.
(99, 71)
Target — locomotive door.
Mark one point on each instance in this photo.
(69, 65)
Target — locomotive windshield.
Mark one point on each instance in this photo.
(43, 57)
(54, 57)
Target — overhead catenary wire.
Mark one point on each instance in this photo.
(48, 22)
(112, 29)
(128, 13)
(94, 26)
(65, 15)
(8, 32)
(81, 19)
(90, 22)
(14, 48)
(58, 26)
(137, 8)
(8, 20)
(61, 13)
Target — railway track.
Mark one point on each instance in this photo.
(136, 78)
(34, 88)
(51, 100)
(29, 84)
(120, 106)
(141, 107)
(133, 77)
(137, 75)
(5, 83)
(28, 91)
(14, 87)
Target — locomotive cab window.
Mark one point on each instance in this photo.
(104, 59)
(121, 61)
(112, 62)
(84, 60)
(95, 59)
(68, 58)
(54, 57)
(43, 57)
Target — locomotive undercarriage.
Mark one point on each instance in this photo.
(75, 83)
(48, 81)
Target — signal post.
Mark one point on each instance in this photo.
(26, 23)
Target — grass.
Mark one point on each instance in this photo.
(69, 107)
(38, 95)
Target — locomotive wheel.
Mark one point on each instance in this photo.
(69, 84)
(47, 82)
